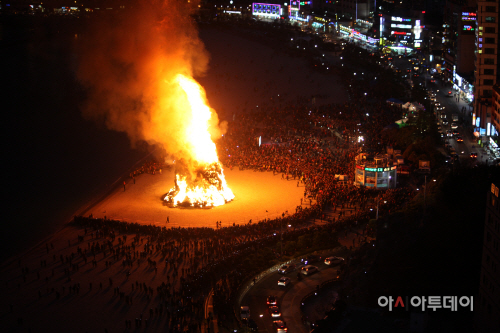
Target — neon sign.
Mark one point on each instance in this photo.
(266, 9)
(402, 26)
(466, 16)
(400, 19)
(360, 167)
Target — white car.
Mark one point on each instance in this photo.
(284, 281)
(275, 312)
(454, 126)
(334, 260)
(309, 269)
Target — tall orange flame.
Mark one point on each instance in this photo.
(204, 185)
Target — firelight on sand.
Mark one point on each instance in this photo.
(199, 178)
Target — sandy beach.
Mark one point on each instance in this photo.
(32, 282)
(258, 196)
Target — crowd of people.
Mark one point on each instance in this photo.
(300, 142)
(310, 146)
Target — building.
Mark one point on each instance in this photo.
(268, 11)
(486, 65)
(403, 31)
(375, 171)
(354, 9)
(459, 39)
(487, 306)
(495, 111)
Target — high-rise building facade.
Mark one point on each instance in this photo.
(486, 64)
(495, 110)
(487, 307)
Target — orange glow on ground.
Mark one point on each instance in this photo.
(255, 193)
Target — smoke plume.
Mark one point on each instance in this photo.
(130, 59)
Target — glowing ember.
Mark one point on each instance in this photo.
(199, 181)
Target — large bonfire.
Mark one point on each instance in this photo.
(199, 178)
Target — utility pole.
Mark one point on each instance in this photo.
(425, 191)
(281, 236)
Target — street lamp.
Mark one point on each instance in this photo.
(281, 236)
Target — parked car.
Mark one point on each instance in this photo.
(285, 269)
(252, 325)
(284, 281)
(334, 260)
(245, 312)
(309, 270)
(312, 258)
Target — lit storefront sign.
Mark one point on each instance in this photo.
(459, 83)
(401, 26)
(400, 19)
(381, 30)
(468, 16)
(361, 167)
(293, 11)
(384, 177)
(266, 10)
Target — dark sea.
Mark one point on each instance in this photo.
(54, 161)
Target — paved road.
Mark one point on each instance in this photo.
(288, 297)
